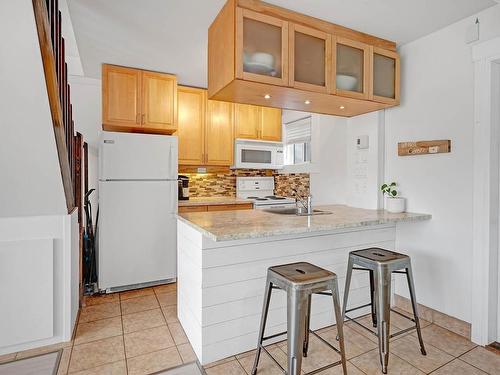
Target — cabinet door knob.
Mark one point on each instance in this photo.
(143, 117)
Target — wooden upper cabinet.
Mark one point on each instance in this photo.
(385, 75)
(135, 100)
(271, 124)
(310, 59)
(219, 133)
(261, 48)
(351, 68)
(191, 125)
(121, 96)
(260, 123)
(265, 55)
(159, 100)
(247, 121)
(205, 129)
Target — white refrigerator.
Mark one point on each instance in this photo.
(137, 208)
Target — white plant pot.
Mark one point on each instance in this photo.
(395, 205)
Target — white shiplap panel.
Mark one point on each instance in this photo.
(189, 291)
(240, 252)
(255, 287)
(251, 306)
(191, 240)
(248, 323)
(191, 326)
(252, 270)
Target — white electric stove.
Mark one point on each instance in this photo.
(260, 191)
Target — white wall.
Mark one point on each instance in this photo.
(86, 99)
(39, 276)
(39, 241)
(329, 153)
(340, 173)
(31, 182)
(437, 103)
(327, 169)
(363, 164)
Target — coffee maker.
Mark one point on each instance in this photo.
(183, 188)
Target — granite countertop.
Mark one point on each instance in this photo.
(246, 224)
(212, 201)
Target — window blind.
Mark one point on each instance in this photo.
(298, 131)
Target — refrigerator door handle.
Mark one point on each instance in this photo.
(174, 200)
(173, 161)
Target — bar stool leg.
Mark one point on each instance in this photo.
(296, 318)
(382, 280)
(372, 299)
(347, 286)
(307, 327)
(340, 324)
(263, 319)
(411, 287)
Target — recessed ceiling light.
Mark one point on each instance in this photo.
(267, 96)
(341, 107)
(307, 102)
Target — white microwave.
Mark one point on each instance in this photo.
(249, 154)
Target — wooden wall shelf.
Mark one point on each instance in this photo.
(424, 147)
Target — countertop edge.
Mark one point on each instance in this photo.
(416, 217)
(198, 228)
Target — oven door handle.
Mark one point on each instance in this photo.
(271, 206)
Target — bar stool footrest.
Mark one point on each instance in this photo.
(310, 331)
(337, 363)
(375, 333)
(308, 373)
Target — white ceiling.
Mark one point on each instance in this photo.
(171, 35)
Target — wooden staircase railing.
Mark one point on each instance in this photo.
(69, 145)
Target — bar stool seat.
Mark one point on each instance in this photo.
(381, 264)
(379, 255)
(300, 274)
(300, 280)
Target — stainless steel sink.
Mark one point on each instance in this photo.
(297, 211)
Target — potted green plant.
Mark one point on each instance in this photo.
(393, 203)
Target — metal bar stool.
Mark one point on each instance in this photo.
(300, 280)
(381, 264)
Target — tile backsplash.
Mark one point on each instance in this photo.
(224, 184)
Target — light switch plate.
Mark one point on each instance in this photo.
(362, 142)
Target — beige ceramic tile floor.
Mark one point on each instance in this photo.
(137, 333)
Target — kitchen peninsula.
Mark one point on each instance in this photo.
(223, 258)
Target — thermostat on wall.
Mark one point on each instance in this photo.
(362, 142)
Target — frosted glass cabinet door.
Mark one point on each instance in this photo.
(310, 58)
(352, 60)
(261, 48)
(385, 76)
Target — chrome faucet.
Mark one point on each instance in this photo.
(306, 202)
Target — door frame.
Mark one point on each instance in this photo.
(486, 210)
